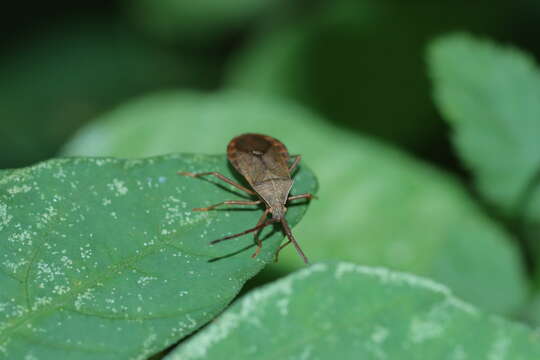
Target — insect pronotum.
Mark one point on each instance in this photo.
(264, 162)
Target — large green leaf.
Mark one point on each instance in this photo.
(377, 206)
(491, 96)
(345, 311)
(103, 258)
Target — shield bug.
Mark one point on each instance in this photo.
(264, 162)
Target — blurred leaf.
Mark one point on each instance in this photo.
(377, 206)
(530, 227)
(103, 258)
(55, 82)
(365, 313)
(359, 63)
(200, 20)
(491, 97)
(531, 311)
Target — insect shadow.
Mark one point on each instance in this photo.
(275, 229)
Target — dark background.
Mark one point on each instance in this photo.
(64, 63)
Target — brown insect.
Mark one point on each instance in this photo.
(264, 162)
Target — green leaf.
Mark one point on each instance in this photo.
(491, 96)
(376, 205)
(530, 313)
(103, 258)
(530, 226)
(345, 311)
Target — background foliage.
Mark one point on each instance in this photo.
(420, 121)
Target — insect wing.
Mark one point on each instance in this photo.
(259, 158)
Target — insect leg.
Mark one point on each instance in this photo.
(244, 232)
(258, 232)
(229, 202)
(291, 238)
(295, 163)
(281, 247)
(218, 175)
(301, 196)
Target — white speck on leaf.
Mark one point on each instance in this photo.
(433, 324)
(19, 189)
(458, 354)
(305, 354)
(60, 289)
(30, 356)
(41, 301)
(283, 305)
(379, 334)
(145, 280)
(118, 186)
(148, 346)
(83, 298)
(86, 252)
(47, 216)
(499, 349)
(23, 238)
(5, 218)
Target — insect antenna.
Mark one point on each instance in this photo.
(271, 221)
(291, 238)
